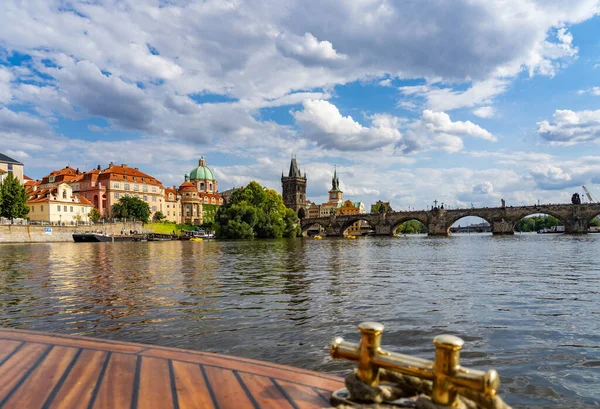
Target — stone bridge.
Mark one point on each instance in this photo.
(575, 217)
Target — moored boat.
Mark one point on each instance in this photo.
(196, 234)
(102, 237)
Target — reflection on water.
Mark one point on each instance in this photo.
(527, 305)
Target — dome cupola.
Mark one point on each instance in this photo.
(202, 172)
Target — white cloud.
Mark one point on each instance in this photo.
(308, 49)
(445, 99)
(592, 91)
(571, 127)
(484, 112)
(483, 188)
(5, 91)
(551, 177)
(323, 123)
(435, 130)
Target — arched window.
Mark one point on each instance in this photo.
(201, 188)
(65, 194)
(212, 200)
(210, 187)
(206, 199)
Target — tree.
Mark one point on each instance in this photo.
(94, 215)
(411, 227)
(13, 198)
(256, 212)
(131, 207)
(379, 207)
(159, 216)
(595, 222)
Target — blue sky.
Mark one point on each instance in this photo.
(466, 102)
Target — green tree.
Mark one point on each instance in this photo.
(94, 215)
(159, 216)
(379, 207)
(131, 207)
(256, 212)
(595, 222)
(13, 198)
(536, 223)
(411, 227)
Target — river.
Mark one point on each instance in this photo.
(526, 305)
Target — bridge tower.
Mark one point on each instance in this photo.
(294, 187)
(335, 194)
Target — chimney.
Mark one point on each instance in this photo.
(98, 167)
(124, 165)
(110, 165)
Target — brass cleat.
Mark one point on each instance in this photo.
(445, 372)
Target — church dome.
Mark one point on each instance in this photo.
(202, 172)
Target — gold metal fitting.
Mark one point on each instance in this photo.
(445, 372)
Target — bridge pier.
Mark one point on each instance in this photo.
(437, 225)
(502, 228)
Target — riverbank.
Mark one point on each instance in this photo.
(51, 234)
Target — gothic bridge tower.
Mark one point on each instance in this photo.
(294, 187)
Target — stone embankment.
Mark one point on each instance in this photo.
(47, 234)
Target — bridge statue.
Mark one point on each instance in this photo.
(574, 217)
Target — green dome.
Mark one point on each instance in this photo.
(202, 171)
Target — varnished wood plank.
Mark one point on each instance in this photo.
(303, 396)
(76, 342)
(117, 386)
(279, 372)
(15, 369)
(229, 393)
(33, 391)
(166, 351)
(265, 392)
(155, 384)
(77, 389)
(7, 348)
(192, 391)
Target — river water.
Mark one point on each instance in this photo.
(527, 305)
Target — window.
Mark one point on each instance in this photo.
(201, 186)
(116, 195)
(210, 187)
(41, 208)
(71, 209)
(65, 208)
(154, 198)
(212, 200)
(126, 186)
(168, 205)
(58, 208)
(153, 208)
(145, 188)
(145, 198)
(64, 194)
(136, 196)
(10, 168)
(127, 195)
(154, 188)
(168, 213)
(117, 185)
(136, 188)
(206, 199)
(32, 209)
(51, 179)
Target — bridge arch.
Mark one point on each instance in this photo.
(400, 222)
(355, 230)
(541, 212)
(460, 216)
(311, 223)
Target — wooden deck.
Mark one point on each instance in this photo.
(40, 370)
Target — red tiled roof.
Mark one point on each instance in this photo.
(2, 171)
(62, 175)
(41, 196)
(127, 174)
(172, 191)
(187, 187)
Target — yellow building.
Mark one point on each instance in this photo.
(172, 209)
(58, 205)
(9, 165)
(349, 208)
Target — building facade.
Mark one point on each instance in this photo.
(294, 188)
(124, 181)
(9, 165)
(350, 208)
(58, 205)
(172, 210)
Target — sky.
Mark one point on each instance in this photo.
(466, 102)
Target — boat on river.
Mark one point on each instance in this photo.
(196, 234)
(41, 370)
(103, 237)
